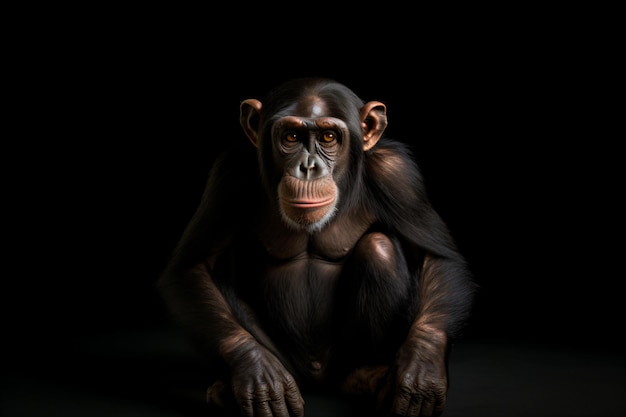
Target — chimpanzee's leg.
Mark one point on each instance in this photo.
(377, 299)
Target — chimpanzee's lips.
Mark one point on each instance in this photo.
(308, 204)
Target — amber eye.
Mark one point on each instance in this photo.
(328, 136)
(291, 137)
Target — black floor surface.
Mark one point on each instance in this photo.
(155, 373)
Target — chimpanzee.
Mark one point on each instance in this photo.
(315, 262)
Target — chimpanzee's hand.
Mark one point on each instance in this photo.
(261, 385)
(418, 385)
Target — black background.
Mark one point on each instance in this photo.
(116, 129)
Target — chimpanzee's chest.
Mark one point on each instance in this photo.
(299, 292)
(291, 278)
(291, 286)
(299, 273)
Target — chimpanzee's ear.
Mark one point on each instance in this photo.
(373, 122)
(249, 112)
